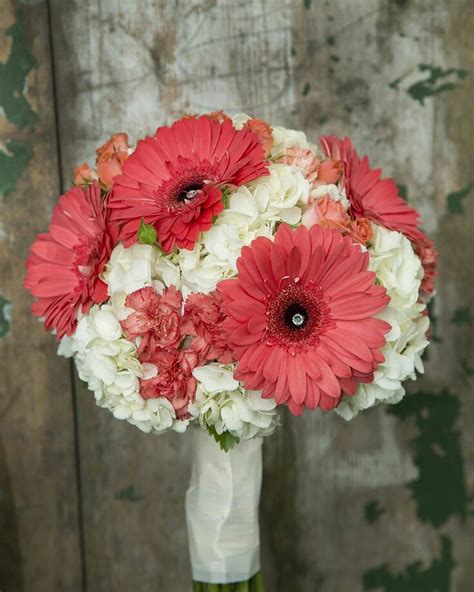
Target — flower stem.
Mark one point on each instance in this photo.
(255, 584)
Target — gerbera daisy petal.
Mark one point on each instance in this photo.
(293, 347)
(64, 266)
(178, 173)
(370, 196)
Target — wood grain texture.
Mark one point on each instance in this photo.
(39, 540)
(338, 510)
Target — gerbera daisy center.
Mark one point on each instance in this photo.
(297, 316)
(189, 192)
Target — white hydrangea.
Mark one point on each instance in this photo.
(399, 270)
(221, 402)
(200, 270)
(396, 266)
(281, 194)
(224, 242)
(109, 364)
(130, 269)
(282, 137)
(285, 138)
(239, 120)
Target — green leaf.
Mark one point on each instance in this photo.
(147, 234)
(226, 191)
(456, 198)
(225, 440)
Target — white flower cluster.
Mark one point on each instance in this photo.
(136, 267)
(399, 270)
(109, 364)
(222, 403)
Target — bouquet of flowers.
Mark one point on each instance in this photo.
(223, 268)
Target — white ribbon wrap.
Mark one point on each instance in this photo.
(222, 510)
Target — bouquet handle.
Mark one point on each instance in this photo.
(222, 515)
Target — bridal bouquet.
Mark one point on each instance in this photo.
(223, 268)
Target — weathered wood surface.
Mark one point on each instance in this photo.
(338, 512)
(39, 524)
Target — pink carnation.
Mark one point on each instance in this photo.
(156, 318)
(203, 320)
(316, 172)
(263, 131)
(84, 174)
(428, 254)
(361, 230)
(110, 158)
(174, 380)
(304, 159)
(327, 213)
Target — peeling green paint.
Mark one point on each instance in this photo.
(462, 316)
(335, 58)
(5, 316)
(14, 159)
(434, 578)
(331, 40)
(437, 454)
(306, 89)
(129, 494)
(467, 367)
(455, 200)
(307, 4)
(16, 154)
(436, 82)
(13, 74)
(373, 511)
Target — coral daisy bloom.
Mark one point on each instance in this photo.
(370, 196)
(300, 317)
(173, 180)
(65, 264)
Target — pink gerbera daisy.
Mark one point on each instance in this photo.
(173, 180)
(370, 196)
(65, 264)
(300, 317)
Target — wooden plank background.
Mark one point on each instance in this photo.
(383, 503)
